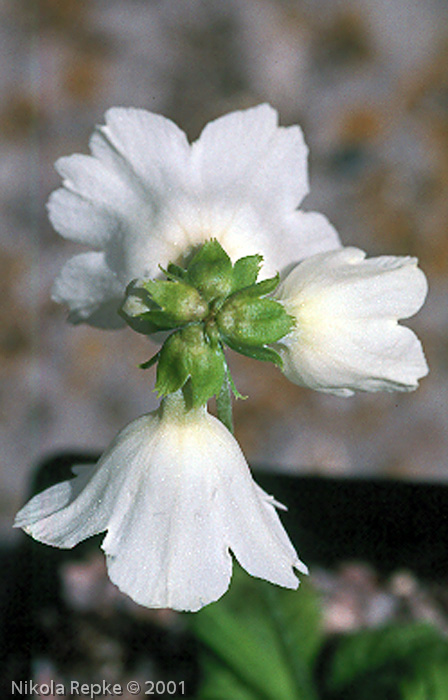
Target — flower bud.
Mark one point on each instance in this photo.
(163, 303)
(347, 336)
(211, 271)
(188, 354)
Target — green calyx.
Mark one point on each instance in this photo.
(209, 304)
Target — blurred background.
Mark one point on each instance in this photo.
(368, 82)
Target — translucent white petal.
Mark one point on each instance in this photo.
(347, 335)
(246, 156)
(175, 495)
(91, 290)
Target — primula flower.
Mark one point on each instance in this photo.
(176, 497)
(146, 197)
(347, 335)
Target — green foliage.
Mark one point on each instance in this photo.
(398, 662)
(259, 641)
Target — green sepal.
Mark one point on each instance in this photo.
(260, 289)
(174, 272)
(172, 369)
(160, 305)
(245, 271)
(134, 309)
(149, 322)
(146, 323)
(262, 353)
(235, 391)
(179, 301)
(149, 363)
(211, 271)
(189, 355)
(249, 320)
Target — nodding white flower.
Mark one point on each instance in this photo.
(347, 335)
(176, 497)
(146, 197)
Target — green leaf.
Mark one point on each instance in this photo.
(211, 272)
(245, 271)
(253, 321)
(377, 663)
(430, 681)
(261, 642)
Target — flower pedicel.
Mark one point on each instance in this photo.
(187, 241)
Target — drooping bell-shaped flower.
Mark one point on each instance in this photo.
(146, 197)
(346, 335)
(176, 497)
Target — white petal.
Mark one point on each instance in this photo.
(145, 198)
(379, 357)
(73, 510)
(146, 149)
(175, 495)
(196, 502)
(383, 287)
(169, 549)
(66, 513)
(347, 310)
(245, 155)
(91, 290)
(270, 555)
(96, 203)
(81, 220)
(298, 236)
(256, 535)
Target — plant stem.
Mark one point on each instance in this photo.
(224, 403)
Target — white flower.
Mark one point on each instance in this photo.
(176, 496)
(347, 335)
(146, 197)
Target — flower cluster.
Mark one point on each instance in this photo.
(204, 246)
